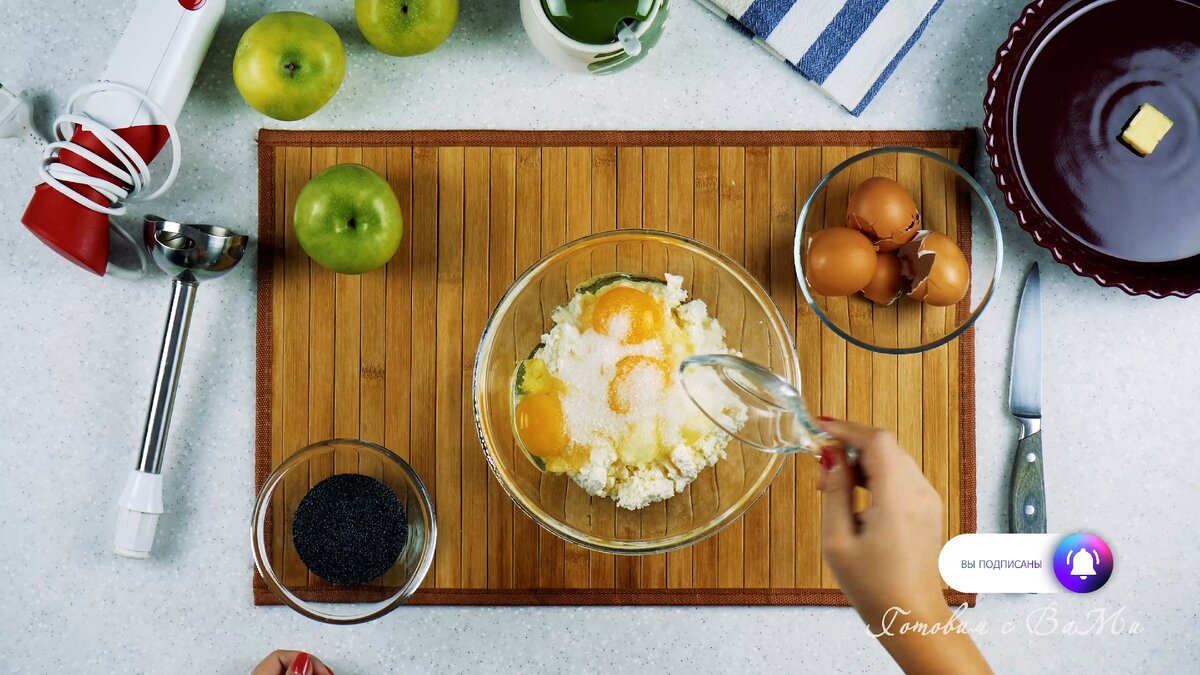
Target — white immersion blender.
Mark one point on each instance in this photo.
(188, 254)
(112, 130)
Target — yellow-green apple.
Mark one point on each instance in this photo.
(288, 65)
(406, 27)
(348, 219)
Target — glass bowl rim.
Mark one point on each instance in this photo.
(666, 542)
(992, 217)
(267, 571)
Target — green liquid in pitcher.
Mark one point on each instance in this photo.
(595, 22)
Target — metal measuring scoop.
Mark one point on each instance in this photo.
(778, 421)
(188, 254)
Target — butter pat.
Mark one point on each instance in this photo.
(1146, 129)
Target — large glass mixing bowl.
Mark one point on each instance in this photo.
(722, 493)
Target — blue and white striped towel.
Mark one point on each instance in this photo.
(848, 48)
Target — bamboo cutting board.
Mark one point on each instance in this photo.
(387, 356)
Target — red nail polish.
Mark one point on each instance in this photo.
(302, 665)
(823, 418)
(827, 458)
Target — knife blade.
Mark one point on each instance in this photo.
(1027, 494)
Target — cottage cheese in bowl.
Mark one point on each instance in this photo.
(600, 399)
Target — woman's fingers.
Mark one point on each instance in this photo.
(291, 662)
(276, 662)
(837, 501)
(850, 433)
(880, 458)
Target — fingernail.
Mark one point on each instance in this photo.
(824, 461)
(823, 418)
(828, 458)
(302, 665)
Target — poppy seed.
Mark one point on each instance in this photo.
(349, 529)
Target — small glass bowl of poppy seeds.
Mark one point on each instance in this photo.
(343, 532)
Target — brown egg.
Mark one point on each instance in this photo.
(839, 261)
(885, 286)
(884, 211)
(937, 269)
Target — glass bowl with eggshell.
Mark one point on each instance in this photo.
(721, 493)
(898, 250)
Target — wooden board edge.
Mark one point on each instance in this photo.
(564, 137)
(712, 597)
(966, 356)
(263, 338)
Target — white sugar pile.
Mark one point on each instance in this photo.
(662, 442)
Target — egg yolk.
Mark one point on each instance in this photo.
(572, 459)
(642, 311)
(540, 425)
(630, 378)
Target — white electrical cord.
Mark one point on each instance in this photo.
(133, 171)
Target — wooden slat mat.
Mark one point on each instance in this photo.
(387, 356)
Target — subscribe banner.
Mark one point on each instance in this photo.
(1026, 563)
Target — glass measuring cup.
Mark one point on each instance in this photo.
(778, 421)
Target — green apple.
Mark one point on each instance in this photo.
(288, 65)
(348, 219)
(406, 27)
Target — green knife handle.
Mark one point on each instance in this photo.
(1027, 503)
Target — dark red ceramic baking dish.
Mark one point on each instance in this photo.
(1068, 79)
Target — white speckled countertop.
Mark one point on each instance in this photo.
(78, 359)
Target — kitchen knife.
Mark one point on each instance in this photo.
(1027, 495)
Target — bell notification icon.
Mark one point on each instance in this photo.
(1083, 563)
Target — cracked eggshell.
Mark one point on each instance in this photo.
(887, 284)
(884, 211)
(936, 269)
(838, 261)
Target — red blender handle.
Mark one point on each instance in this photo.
(103, 146)
(76, 232)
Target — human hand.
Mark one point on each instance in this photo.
(287, 662)
(885, 556)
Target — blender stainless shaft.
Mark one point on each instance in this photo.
(188, 254)
(170, 358)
